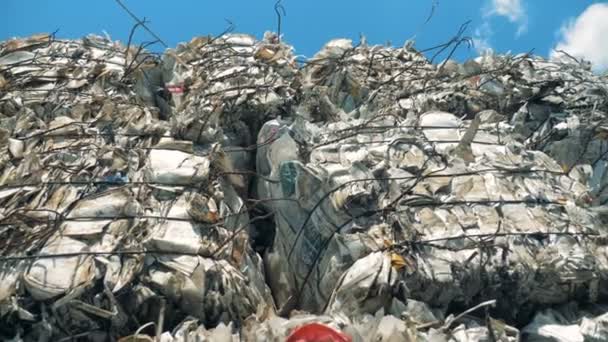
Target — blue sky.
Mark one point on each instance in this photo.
(502, 25)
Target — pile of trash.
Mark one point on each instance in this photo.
(227, 190)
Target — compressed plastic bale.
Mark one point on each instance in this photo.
(189, 282)
(51, 277)
(307, 186)
(443, 277)
(302, 184)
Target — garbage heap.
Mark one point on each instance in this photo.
(226, 190)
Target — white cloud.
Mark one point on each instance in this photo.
(482, 45)
(481, 39)
(585, 37)
(513, 10)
